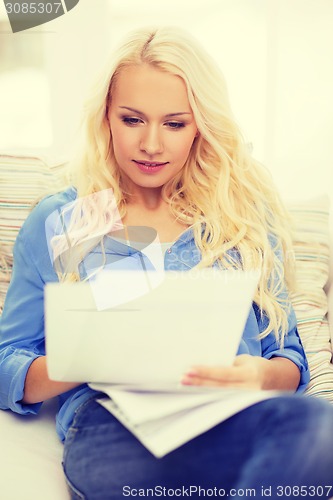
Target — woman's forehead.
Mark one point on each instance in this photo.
(146, 86)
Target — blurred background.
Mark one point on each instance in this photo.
(276, 55)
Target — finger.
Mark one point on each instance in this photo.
(192, 381)
(218, 373)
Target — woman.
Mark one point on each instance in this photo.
(161, 150)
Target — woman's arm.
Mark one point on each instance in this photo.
(38, 386)
(247, 372)
(22, 343)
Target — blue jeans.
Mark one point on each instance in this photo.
(279, 448)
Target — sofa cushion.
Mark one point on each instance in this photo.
(23, 180)
(311, 246)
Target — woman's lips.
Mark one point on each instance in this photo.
(150, 166)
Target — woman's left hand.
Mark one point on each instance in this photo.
(247, 372)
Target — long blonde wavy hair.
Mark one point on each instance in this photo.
(222, 192)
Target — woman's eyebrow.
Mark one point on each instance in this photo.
(169, 115)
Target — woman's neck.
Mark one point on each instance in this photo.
(157, 215)
(148, 199)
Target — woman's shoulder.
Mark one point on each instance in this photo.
(55, 201)
(47, 207)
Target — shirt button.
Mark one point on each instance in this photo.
(169, 250)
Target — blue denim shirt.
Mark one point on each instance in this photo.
(22, 322)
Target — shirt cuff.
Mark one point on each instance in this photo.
(299, 362)
(16, 370)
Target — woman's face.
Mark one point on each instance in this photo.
(152, 126)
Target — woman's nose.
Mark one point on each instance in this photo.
(151, 141)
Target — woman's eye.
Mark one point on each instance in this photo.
(129, 120)
(175, 125)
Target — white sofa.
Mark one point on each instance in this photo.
(30, 451)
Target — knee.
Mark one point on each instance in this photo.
(301, 414)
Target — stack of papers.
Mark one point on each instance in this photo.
(164, 418)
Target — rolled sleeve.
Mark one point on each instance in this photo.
(292, 349)
(14, 366)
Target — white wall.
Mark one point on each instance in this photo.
(300, 121)
(75, 45)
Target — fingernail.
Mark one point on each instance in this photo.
(186, 380)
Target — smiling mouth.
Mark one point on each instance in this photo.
(150, 163)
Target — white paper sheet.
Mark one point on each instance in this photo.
(187, 319)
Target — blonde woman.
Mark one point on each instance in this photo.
(161, 150)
